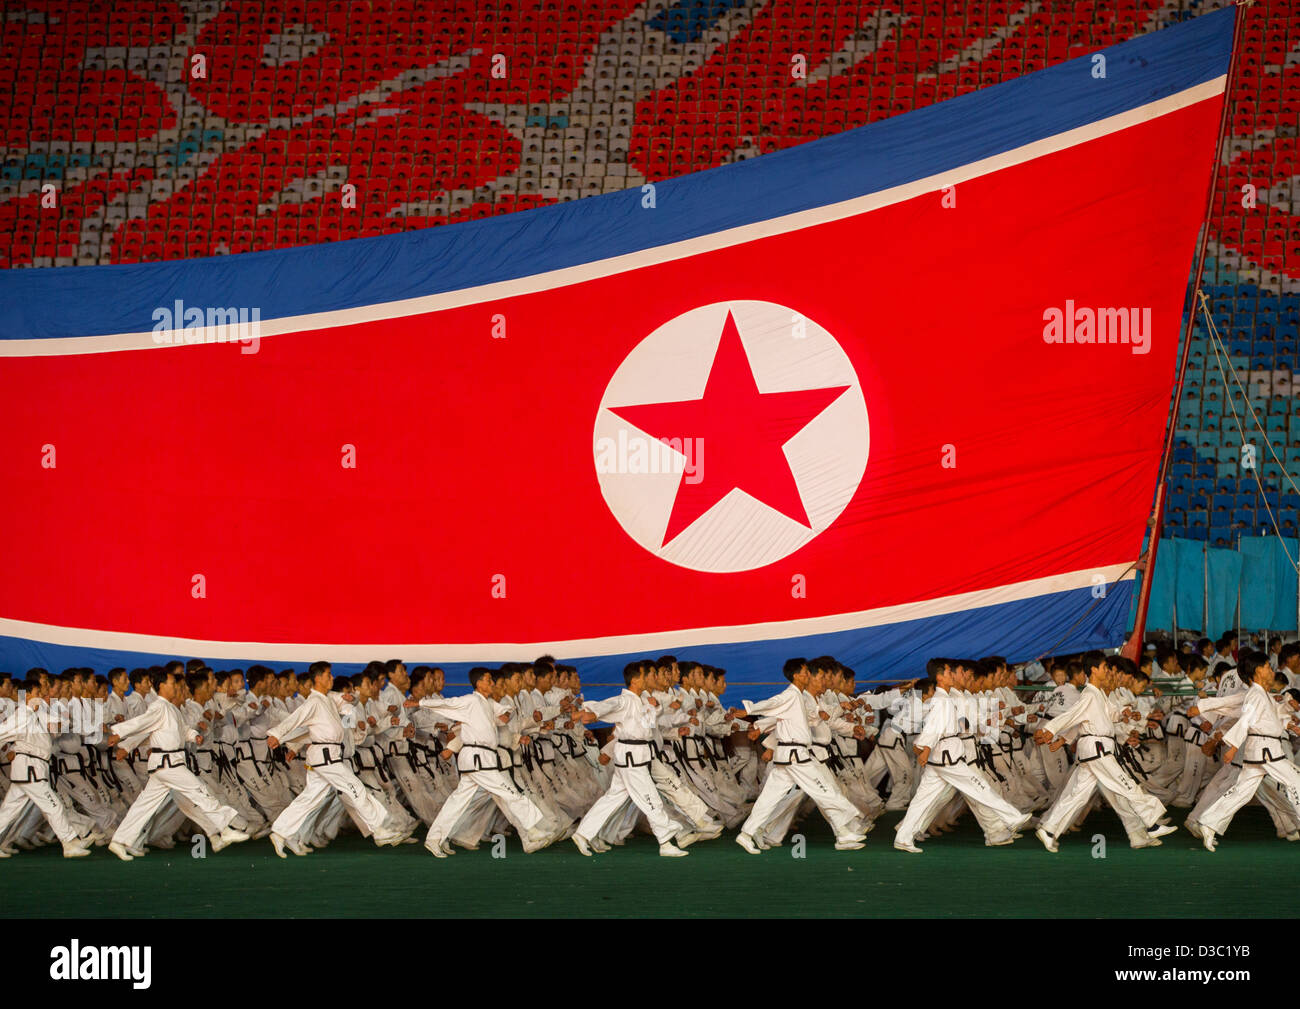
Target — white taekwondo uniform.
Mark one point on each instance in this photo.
(795, 766)
(1092, 720)
(1261, 733)
(479, 763)
(948, 768)
(318, 725)
(26, 730)
(162, 729)
(631, 781)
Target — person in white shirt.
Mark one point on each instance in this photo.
(480, 767)
(1091, 720)
(944, 759)
(317, 729)
(161, 728)
(26, 728)
(634, 713)
(1261, 732)
(794, 766)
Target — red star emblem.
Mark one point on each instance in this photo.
(742, 431)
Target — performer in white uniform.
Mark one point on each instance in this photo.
(1092, 721)
(161, 727)
(794, 766)
(941, 754)
(480, 767)
(633, 713)
(26, 728)
(317, 728)
(1262, 734)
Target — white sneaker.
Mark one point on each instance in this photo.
(710, 832)
(904, 845)
(6, 853)
(1208, 839)
(436, 850)
(1161, 830)
(849, 845)
(670, 850)
(232, 836)
(688, 837)
(79, 848)
(1146, 842)
(120, 851)
(598, 846)
(278, 843)
(998, 844)
(747, 842)
(582, 844)
(1049, 842)
(1293, 836)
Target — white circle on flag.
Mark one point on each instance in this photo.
(640, 476)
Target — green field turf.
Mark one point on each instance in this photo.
(956, 877)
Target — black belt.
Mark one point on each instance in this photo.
(31, 778)
(794, 760)
(1100, 751)
(339, 759)
(167, 758)
(496, 755)
(1268, 754)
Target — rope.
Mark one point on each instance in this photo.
(1220, 353)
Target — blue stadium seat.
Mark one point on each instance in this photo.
(1246, 516)
(1197, 533)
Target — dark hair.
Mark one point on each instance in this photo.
(1092, 659)
(791, 667)
(630, 672)
(391, 665)
(936, 666)
(136, 676)
(195, 679)
(256, 674)
(316, 668)
(419, 674)
(477, 673)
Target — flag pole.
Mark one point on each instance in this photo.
(1147, 564)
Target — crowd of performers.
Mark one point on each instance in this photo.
(156, 757)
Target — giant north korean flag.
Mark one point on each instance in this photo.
(894, 393)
